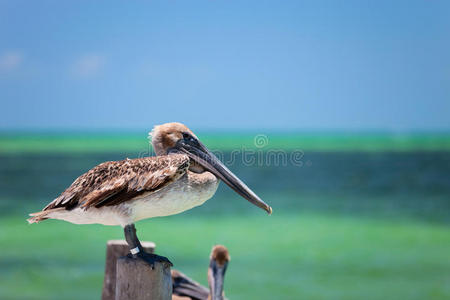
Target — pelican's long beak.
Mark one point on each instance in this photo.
(199, 153)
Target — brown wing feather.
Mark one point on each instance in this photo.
(115, 182)
(185, 286)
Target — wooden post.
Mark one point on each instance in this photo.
(114, 250)
(136, 280)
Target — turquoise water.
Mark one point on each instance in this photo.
(362, 225)
(385, 184)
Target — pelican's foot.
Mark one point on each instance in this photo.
(151, 258)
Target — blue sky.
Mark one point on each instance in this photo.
(327, 65)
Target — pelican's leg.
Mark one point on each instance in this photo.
(136, 249)
(132, 239)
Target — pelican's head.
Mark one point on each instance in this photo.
(216, 272)
(177, 138)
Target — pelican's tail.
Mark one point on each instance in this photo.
(37, 217)
(41, 215)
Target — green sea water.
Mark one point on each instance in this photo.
(348, 222)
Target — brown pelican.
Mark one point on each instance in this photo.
(186, 288)
(184, 174)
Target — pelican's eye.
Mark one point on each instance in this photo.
(189, 138)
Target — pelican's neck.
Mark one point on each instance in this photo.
(216, 275)
(196, 168)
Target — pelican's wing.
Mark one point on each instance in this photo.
(184, 286)
(114, 182)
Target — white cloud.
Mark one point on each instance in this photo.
(10, 60)
(89, 65)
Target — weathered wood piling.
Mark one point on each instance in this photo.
(138, 281)
(129, 278)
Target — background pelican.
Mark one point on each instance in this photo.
(186, 288)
